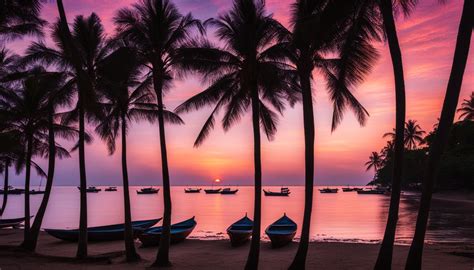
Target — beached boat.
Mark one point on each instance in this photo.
(213, 191)
(11, 222)
(328, 190)
(103, 233)
(228, 191)
(281, 232)
(192, 190)
(91, 189)
(149, 190)
(179, 232)
(111, 189)
(283, 192)
(240, 231)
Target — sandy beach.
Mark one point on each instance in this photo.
(217, 254)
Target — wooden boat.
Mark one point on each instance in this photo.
(213, 191)
(328, 190)
(103, 233)
(228, 191)
(192, 190)
(179, 232)
(240, 231)
(347, 189)
(111, 189)
(283, 192)
(281, 232)
(91, 189)
(149, 190)
(372, 191)
(34, 192)
(11, 222)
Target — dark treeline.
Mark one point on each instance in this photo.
(89, 78)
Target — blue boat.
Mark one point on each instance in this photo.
(281, 232)
(240, 231)
(11, 222)
(103, 233)
(179, 232)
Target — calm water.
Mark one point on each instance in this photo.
(345, 216)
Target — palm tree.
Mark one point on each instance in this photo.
(384, 259)
(319, 27)
(19, 18)
(78, 54)
(442, 134)
(156, 29)
(413, 135)
(118, 72)
(55, 92)
(467, 109)
(247, 74)
(375, 161)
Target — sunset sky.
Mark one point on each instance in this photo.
(427, 42)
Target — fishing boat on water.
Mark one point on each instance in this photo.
(11, 222)
(228, 191)
(281, 232)
(91, 189)
(284, 191)
(13, 191)
(111, 189)
(240, 231)
(213, 190)
(192, 190)
(103, 233)
(149, 190)
(328, 190)
(179, 232)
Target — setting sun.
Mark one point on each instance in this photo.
(217, 180)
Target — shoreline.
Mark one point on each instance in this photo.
(217, 254)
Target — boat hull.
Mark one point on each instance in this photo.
(229, 192)
(103, 233)
(12, 222)
(279, 194)
(179, 232)
(280, 240)
(238, 238)
(371, 192)
(212, 191)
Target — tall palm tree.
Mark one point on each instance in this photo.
(19, 18)
(467, 109)
(157, 29)
(55, 92)
(248, 73)
(118, 73)
(375, 161)
(413, 135)
(345, 29)
(77, 53)
(386, 7)
(461, 53)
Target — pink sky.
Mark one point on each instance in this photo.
(427, 40)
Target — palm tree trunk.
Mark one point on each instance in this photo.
(252, 260)
(35, 229)
(384, 260)
(461, 53)
(82, 243)
(5, 189)
(83, 83)
(162, 258)
(308, 118)
(130, 251)
(29, 151)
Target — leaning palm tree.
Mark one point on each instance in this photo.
(248, 74)
(461, 53)
(19, 18)
(413, 135)
(117, 73)
(467, 109)
(156, 29)
(375, 161)
(78, 54)
(346, 30)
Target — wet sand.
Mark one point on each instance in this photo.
(217, 254)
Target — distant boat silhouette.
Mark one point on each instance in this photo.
(283, 192)
(328, 190)
(240, 231)
(227, 191)
(111, 189)
(91, 189)
(192, 190)
(149, 190)
(213, 191)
